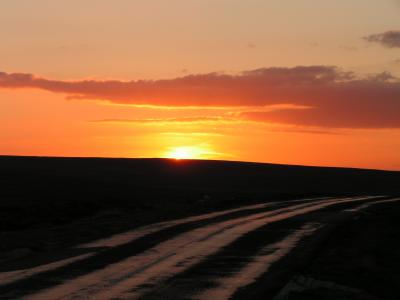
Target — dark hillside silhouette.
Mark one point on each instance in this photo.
(66, 188)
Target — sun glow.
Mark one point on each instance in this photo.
(188, 152)
(181, 153)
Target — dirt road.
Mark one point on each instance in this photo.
(219, 255)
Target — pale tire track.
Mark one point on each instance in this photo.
(178, 262)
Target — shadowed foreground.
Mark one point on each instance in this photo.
(124, 228)
(232, 254)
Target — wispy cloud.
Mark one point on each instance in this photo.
(202, 119)
(195, 134)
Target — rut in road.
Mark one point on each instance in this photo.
(278, 232)
(120, 239)
(123, 245)
(173, 256)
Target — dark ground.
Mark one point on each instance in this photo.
(48, 203)
(362, 255)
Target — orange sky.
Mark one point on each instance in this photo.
(270, 81)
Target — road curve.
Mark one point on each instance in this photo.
(211, 256)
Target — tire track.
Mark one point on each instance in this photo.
(231, 258)
(137, 267)
(19, 283)
(174, 256)
(8, 277)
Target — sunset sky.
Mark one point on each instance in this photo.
(294, 82)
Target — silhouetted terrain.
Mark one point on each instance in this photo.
(57, 201)
(285, 233)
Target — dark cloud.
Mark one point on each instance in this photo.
(389, 39)
(334, 98)
(331, 117)
(306, 130)
(251, 88)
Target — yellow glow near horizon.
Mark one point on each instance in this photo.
(181, 153)
(188, 152)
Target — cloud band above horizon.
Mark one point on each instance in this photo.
(326, 95)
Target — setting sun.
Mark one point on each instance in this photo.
(182, 153)
(189, 152)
